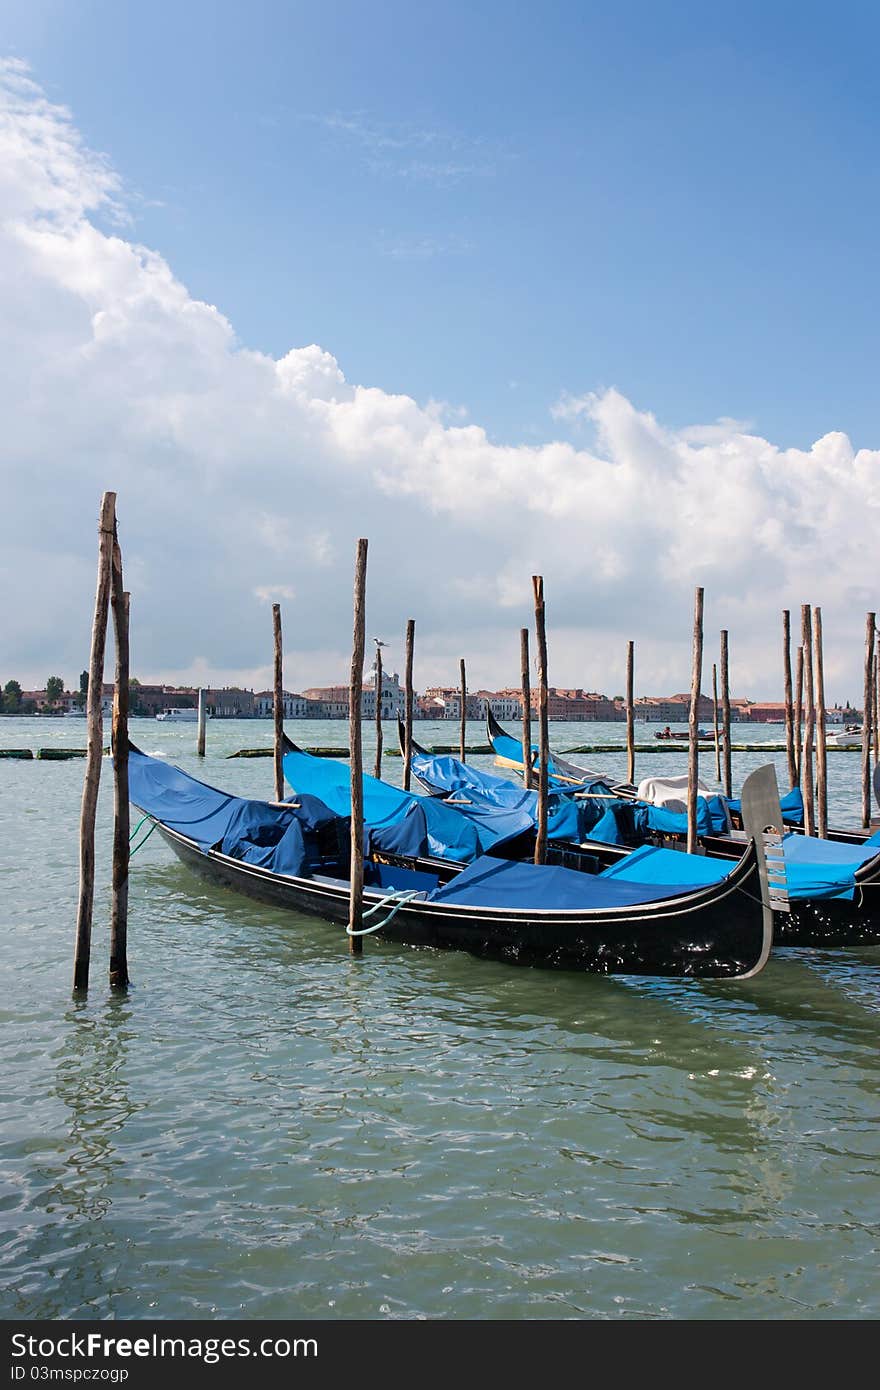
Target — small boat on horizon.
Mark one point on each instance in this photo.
(179, 715)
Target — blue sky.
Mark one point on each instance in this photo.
(586, 291)
(495, 204)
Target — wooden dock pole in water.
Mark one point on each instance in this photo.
(408, 701)
(526, 686)
(462, 736)
(278, 703)
(807, 782)
(821, 745)
(725, 714)
(876, 707)
(120, 604)
(355, 691)
(799, 709)
(543, 729)
(203, 719)
(694, 724)
(870, 623)
(716, 730)
(630, 715)
(790, 753)
(94, 748)
(377, 766)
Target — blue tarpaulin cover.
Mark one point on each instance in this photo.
(651, 864)
(567, 819)
(814, 869)
(504, 883)
(281, 840)
(792, 805)
(460, 834)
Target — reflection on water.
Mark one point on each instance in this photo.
(266, 1127)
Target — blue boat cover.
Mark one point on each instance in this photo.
(505, 746)
(792, 805)
(814, 869)
(567, 819)
(651, 864)
(460, 834)
(505, 883)
(284, 840)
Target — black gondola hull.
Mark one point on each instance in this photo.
(715, 933)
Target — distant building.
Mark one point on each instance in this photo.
(294, 706)
(231, 702)
(332, 701)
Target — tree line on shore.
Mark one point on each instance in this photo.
(14, 700)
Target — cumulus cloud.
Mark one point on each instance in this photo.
(242, 479)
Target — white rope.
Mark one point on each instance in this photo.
(397, 899)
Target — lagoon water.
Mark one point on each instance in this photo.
(264, 1127)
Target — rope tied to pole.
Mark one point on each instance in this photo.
(398, 899)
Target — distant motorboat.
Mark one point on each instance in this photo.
(850, 737)
(180, 716)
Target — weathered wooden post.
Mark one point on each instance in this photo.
(694, 724)
(630, 716)
(867, 721)
(725, 713)
(120, 601)
(355, 691)
(94, 747)
(203, 719)
(278, 703)
(876, 708)
(821, 745)
(807, 783)
(462, 737)
(377, 766)
(791, 755)
(715, 727)
(799, 708)
(525, 682)
(408, 699)
(543, 728)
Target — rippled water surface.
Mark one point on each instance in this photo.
(264, 1127)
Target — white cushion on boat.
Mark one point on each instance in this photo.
(669, 792)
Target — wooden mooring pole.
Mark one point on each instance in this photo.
(203, 719)
(821, 745)
(408, 700)
(355, 691)
(867, 721)
(630, 715)
(94, 747)
(725, 714)
(807, 779)
(526, 687)
(716, 729)
(543, 724)
(120, 603)
(462, 740)
(790, 753)
(377, 766)
(798, 708)
(278, 703)
(876, 708)
(694, 724)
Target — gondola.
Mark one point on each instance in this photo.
(834, 885)
(509, 753)
(292, 856)
(562, 773)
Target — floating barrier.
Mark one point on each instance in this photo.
(15, 753)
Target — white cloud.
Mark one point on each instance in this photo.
(241, 478)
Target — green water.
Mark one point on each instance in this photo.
(264, 1127)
